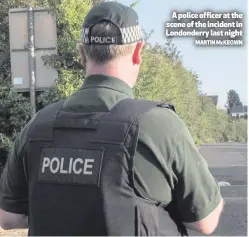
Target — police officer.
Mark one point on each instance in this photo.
(102, 162)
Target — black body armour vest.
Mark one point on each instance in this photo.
(81, 177)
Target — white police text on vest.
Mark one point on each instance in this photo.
(103, 40)
(77, 166)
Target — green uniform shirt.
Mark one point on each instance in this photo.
(167, 162)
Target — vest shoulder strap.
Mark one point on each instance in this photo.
(115, 125)
(129, 109)
(43, 123)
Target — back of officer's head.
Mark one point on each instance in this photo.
(112, 41)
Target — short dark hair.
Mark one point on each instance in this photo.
(101, 54)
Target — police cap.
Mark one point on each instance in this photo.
(125, 18)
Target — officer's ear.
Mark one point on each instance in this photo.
(137, 58)
(80, 51)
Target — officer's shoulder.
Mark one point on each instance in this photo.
(24, 135)
(53, 106)
(50, 111)
(161, 118)
(42, 115)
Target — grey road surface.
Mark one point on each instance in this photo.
(228, 163)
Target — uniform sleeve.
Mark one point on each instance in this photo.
(197, 192)
(13, 183)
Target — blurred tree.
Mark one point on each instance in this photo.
(233, 100)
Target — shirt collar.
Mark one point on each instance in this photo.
(105, 81)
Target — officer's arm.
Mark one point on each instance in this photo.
(209, 223)
(14, 186)
(13, 221)
(13, 194)
(197, 192)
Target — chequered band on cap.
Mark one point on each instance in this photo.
(128, 35)
(84, 35)
(131, 34)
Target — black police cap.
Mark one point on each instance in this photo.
(125, 18)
